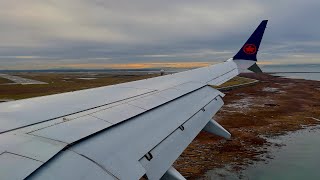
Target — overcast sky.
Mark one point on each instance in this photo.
(91, 33)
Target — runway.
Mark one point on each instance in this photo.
(20, 80)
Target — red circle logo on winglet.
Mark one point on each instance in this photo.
(250, 49)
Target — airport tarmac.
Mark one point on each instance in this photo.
(20, 80)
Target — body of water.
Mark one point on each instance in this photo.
(298, 159)
(295, 71)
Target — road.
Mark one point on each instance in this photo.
(20, 80)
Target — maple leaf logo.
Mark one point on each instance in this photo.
(250, 49)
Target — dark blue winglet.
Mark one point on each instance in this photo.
(250, 49)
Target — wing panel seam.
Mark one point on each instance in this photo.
(22, 156)
(96, 163)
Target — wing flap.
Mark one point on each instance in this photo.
(166, 152)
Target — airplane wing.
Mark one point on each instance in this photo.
(125, 131)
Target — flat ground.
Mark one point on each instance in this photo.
(4, 81)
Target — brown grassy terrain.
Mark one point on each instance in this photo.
(4, 81)
(273, 106)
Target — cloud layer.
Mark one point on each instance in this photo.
(41, 34)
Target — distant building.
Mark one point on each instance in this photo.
(161, 72)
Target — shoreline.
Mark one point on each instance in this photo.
(274, 106)
(277, 156)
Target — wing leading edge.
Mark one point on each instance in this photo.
(124, 131)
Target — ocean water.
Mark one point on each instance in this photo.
(298, 159)
(295, 71)
(309, 76)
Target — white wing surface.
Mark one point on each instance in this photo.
(124, 131)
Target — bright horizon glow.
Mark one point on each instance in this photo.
(152, 65)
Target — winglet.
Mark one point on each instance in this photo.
(246, 58)
(250, 49)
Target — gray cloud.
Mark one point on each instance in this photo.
(104, 31)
